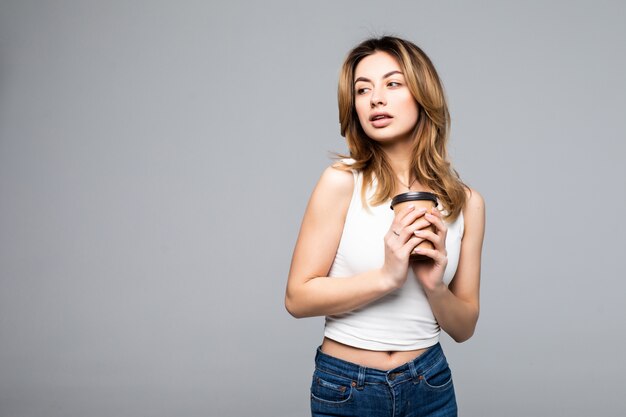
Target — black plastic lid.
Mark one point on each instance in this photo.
(413, 196)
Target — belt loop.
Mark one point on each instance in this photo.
(361, 380)
(413, 371)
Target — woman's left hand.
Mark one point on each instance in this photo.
(430, 272)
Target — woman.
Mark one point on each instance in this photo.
(381, 353)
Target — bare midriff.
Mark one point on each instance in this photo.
(383, 360)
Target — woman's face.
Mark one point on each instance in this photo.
(385, 107)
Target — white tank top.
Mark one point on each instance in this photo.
(401, 320)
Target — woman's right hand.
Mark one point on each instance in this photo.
(400, 242)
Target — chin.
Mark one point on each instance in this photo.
(387, 138)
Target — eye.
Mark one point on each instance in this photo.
(362, 90)
(394, 84)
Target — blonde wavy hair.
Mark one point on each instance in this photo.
(430, 158)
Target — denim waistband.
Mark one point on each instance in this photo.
(361, 374)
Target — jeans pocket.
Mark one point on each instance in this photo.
(330, 389)
(439, 377)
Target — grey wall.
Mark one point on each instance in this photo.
(156, 159)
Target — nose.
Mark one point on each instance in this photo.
(377, 98)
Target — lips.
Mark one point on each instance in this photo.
(379, 116)
(380, 119)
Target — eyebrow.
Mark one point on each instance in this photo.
(389, 74)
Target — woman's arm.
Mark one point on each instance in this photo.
(456, 307)
(310, 292)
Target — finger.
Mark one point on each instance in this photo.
(411, 244)
(428, 234)
(403, 234)
(415, 220)
(400, 222)
(421, 223)
(396, 226)
(433, 254)
(397, 238)
(408, 216)
(437, 221)
(405, 211)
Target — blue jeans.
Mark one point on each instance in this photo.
(422, 387)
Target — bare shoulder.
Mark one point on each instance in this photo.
(474, 212)
(322, 225)
(335, 186)
(337, 180)
(475, 200)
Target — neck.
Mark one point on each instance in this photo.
(399, 157)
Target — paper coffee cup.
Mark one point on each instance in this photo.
(419, 199)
